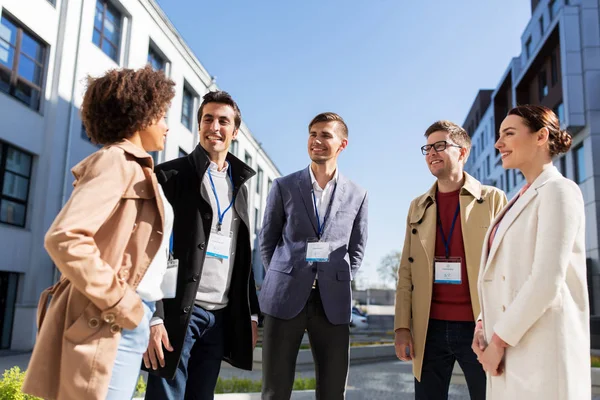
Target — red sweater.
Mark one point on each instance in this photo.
(451, 302)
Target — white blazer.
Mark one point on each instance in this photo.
(533, 293)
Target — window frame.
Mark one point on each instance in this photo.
(15, 78)
(259, 179)
(157, 54)
(543, 88)
(117, 46)
(3, 158)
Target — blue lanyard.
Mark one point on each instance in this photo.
(447, 241)
(212, 183)
(321, 227)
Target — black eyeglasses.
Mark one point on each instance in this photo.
(437, 146)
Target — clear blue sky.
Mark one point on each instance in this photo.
(390, 68)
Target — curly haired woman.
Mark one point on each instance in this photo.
(110, 242)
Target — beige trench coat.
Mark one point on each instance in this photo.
(102, 241)
(479, 204)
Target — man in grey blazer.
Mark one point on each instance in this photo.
(312, 243)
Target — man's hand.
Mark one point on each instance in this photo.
(491, 359)
(479, 343)
(154, 355)
(254, 333)
(402, 342)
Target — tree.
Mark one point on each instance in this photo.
(388, 268)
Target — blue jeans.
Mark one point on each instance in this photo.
(132, 346)
(200, 361)
(447, 342)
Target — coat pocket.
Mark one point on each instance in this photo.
(85, 326)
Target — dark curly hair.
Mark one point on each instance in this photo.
(537, 117)
(222, 97)
(124, 101)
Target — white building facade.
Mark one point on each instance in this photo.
(559, 67)
(47, 49)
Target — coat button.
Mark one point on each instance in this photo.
(93, 322)
(207, 216)
(201, 246)
(195, 277)
(124, 274)
(186, 309)
(410, 259)
(109, 318)
(414, 231)
(134, 227)
(114, 328)
(503, 308)
(503, 278)
(480, 200)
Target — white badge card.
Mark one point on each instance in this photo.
(447, 270)
(219, 245)
(168, 285)
(317, 251)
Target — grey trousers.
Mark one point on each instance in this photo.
(330, 345)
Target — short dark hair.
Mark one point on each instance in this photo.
(538, 117)
(124, 101)
(457, 133)
(221, 97)
(328, 117)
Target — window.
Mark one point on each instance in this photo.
(187, 109)
(507, 180)
(269, 184)
(22, 61)
(579, 164)
(542, 25)
(256, 220)
(553, 7)
(559, 110)
(248, 159)
(182, 153)
(487, 165)
(528, 48)
(155, 60)
(259, 179)
(542, 84)
(554, 68)
(234, 147)
(563, 165)
(107, 29)
(15, 174)
(154, 155)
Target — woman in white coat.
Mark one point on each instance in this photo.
(532, 280)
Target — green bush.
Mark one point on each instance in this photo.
(140, 388)
(11, 383)
(305, 384)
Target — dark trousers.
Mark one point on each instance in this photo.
(330, 345)
(200, 362)
(447, 342)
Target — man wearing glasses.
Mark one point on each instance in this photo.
(437, 303)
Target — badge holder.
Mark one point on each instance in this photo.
(447, 270)
(317, 251)
(219, 244)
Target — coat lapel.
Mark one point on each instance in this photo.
(512, 210)
(425, 217)
(338, 196)
(305, 188)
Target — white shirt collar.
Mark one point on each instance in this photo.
(314, 182)
(215, 168)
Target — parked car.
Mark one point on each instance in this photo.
(358, 320)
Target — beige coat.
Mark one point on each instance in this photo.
(533, 294)
(479, 204)
(102, 241)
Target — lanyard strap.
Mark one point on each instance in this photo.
(447, 241)
(321, 227)
(220, 214)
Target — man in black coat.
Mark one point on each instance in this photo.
(214, 315)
